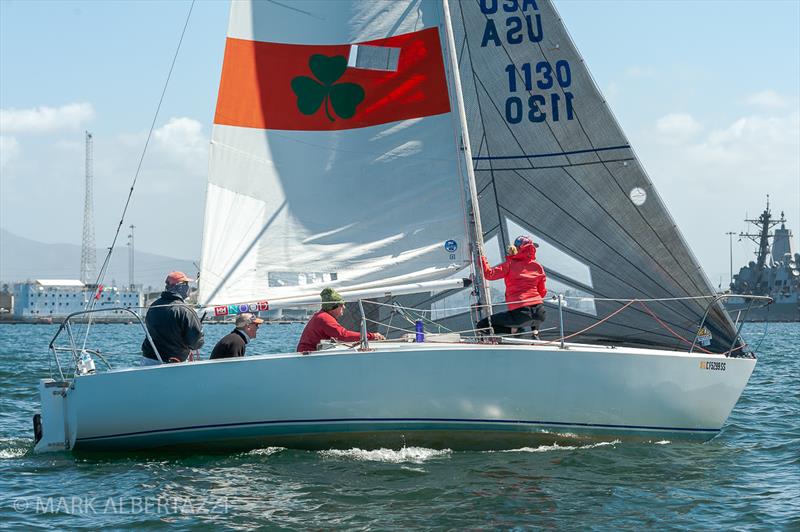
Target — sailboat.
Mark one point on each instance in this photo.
(380, 147)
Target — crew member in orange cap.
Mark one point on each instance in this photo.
(173, 325)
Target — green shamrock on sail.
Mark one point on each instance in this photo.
(311, 93)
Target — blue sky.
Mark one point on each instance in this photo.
(708, 93)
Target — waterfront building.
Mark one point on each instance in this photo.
(56, 298)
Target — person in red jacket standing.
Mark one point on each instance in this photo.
(323, 324)
(525, 289)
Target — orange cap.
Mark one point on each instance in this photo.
(177, 277)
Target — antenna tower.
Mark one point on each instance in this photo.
(88, 251)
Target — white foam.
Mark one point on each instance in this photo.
(600, 444)
(662, 442)
(414, 455)
(267, 451)
(6, 454)
(557, 447)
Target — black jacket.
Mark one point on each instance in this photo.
(174, 327)
(231, 345)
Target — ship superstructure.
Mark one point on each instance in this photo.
(774, 273)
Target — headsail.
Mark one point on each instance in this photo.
(335, 155)
(551, 160)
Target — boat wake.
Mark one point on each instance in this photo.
(11, 448)
(557, 447)
(414, 455)
(267, 451)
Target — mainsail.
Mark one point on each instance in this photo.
(551, 161)
(335, 156)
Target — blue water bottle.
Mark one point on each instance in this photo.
(420, 332)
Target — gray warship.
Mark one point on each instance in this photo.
(774, 273)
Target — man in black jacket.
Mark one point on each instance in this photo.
(174, 326)
(234, 344)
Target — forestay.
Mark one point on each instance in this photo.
(335, 154)
(551, 160)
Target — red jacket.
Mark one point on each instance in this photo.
(524, 277)
(323, 326)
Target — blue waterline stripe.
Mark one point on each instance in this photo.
(539, 155)
(402, 419)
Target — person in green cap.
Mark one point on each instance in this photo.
(324, 325)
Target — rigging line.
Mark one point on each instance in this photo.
(640, 331)
(647, 252)
(492, 228)
(641, 167)
(388, 326)
(742, 346)
(763, 336)
(394, 304)
(681, 338)
(553, 202)
(591, 232)
(291, 8)
(405, 330)
(567, 311)
(559, 154)
(631, 331)
(570, 165)
(460, 54)
(428, 300)
(478, 80)
(669, 249)
(438, 297)
(544, 55)
(399, 309)
(481, 144)
(620, 226)
(475, 166)
(592, 326)
(483, 124)
(594, 234)
(107, 260)
(488, 183)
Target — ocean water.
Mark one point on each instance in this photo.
(748, 477)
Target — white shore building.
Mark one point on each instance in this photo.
(56, 298)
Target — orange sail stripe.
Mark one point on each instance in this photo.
(308, 87)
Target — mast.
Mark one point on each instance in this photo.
(484, 296)
(765, 222)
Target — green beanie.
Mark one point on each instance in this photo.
(330, 299)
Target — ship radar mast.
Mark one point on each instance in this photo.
(764, 223)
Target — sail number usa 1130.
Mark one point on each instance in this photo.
(537, 90)
(535, 107)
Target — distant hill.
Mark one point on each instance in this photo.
(22, 259)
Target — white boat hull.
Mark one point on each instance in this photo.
(443, 395)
